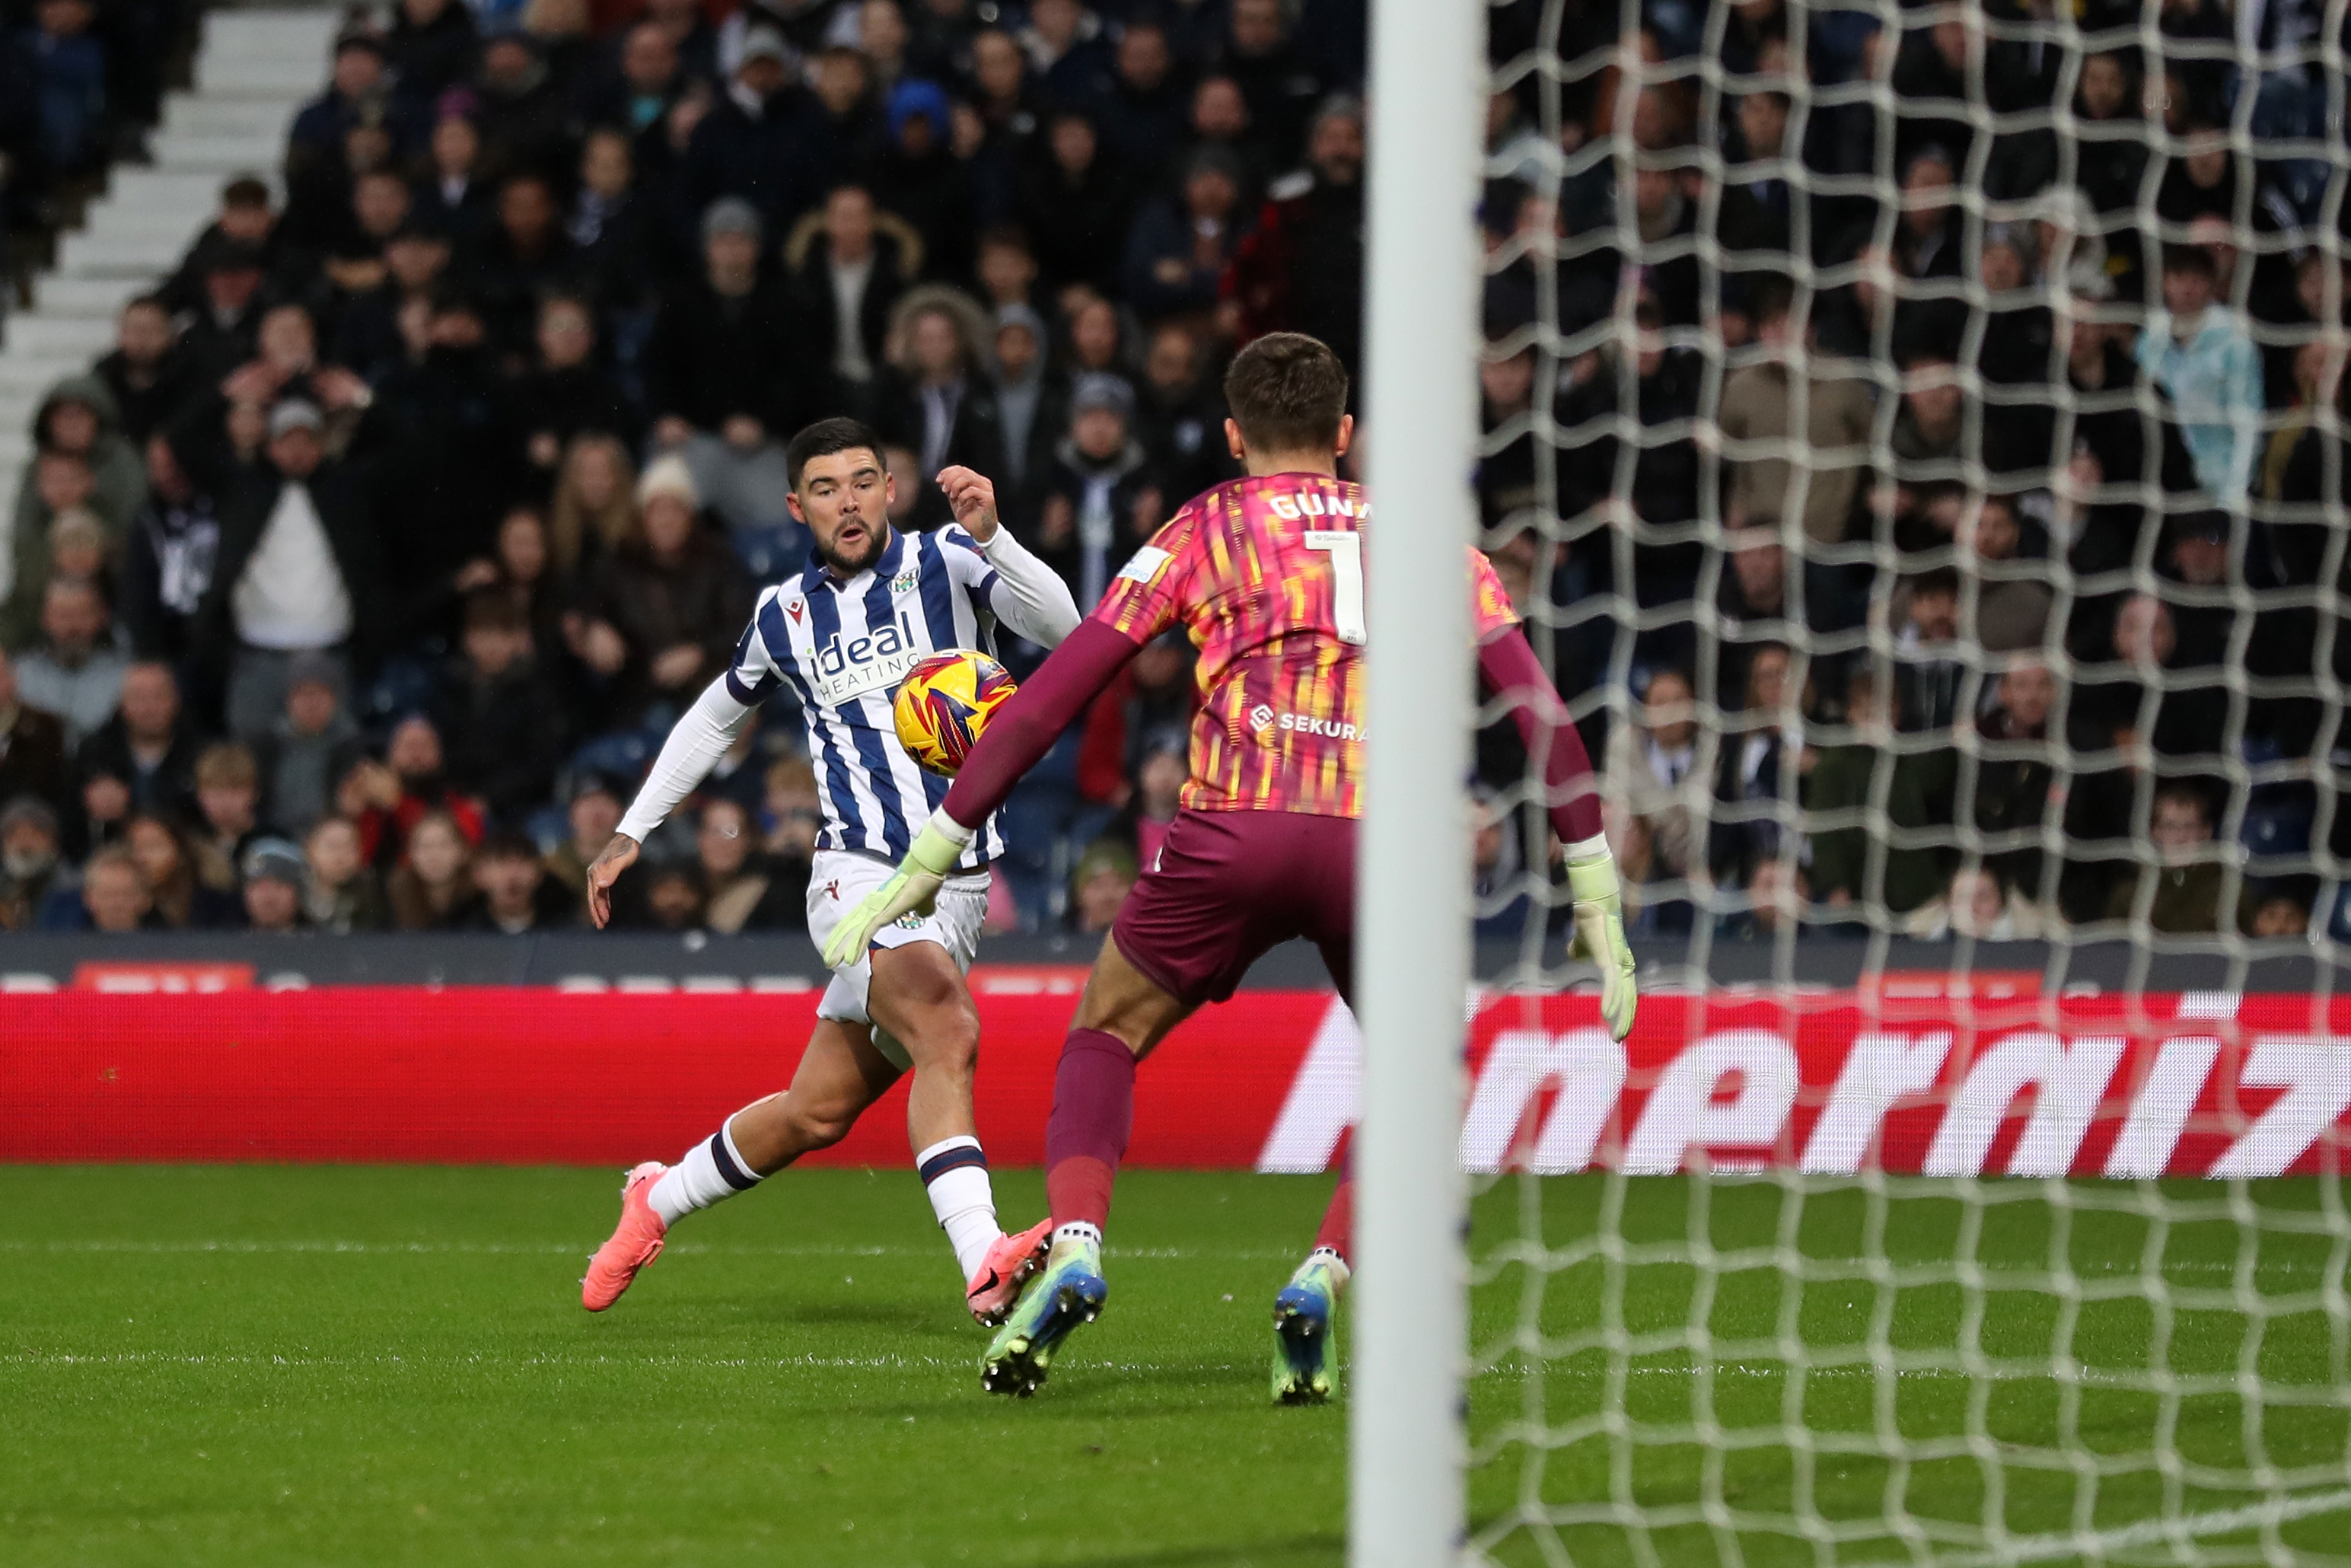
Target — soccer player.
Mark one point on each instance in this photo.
(842, 634)
(1267, 575)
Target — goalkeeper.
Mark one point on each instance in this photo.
(1266, 574)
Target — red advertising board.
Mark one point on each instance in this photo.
(1989, 1082)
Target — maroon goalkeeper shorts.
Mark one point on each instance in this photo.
(1226, 886)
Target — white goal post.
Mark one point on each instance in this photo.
(1410, 1356)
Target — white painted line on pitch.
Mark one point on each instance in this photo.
(2156, 1532)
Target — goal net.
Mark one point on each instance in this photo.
(1913, 438)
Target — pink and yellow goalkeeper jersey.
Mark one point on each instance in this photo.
(1267, 576)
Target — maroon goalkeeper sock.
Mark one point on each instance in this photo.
(1338, 1231)
(1093, 1112)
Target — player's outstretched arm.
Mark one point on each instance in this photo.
(695, 743)
(1510, 670)
(1016, 740)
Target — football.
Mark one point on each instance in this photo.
(945, 704)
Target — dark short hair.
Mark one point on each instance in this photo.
(244, 191)
(1770, 297)
(507, 845)
(2187, 791)
(824, 438)
(1287, 392)
(2192, 258)
(1941, 581)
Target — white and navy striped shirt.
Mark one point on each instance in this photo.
(844, 647)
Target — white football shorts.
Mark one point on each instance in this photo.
(837, 880)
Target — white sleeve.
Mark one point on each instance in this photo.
(693, 748)
(1025, 594)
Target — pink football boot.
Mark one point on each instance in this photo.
(1009, 1263)
(637, 1241)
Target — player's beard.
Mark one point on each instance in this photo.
(877, 539)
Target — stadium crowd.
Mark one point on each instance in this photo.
(1932, 557)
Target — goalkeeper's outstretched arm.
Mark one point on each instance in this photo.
(1509, 669)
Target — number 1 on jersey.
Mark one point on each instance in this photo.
(1345, 549)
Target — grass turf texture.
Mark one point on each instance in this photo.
(1744, 1276)
(275, 1364)
(269, 1364)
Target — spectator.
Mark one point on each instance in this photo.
(592, 816)
(141, 760)
(114, 898)
(1142, 110)
(593, 506)
(357, 90)
(453, 200)
(1757, 771)
(609, 220)
(33, 748)
(2123, 439)
(2181, 892)
(567, 395)
(388, 798)
(1928, 239)
(918, 179)
(662, 616)
(1099, 884)
(1178, 250)
(167, 560)
(33, 870)
(718, 374)
(1075, 204)
(274, 880)
(1653, 784)
(849, 268)
(178, 899)
(1929, 668)
(228, 274)
(228, 802)
(1032, 409)
(516, 261)
(746, 147)
(1301, 270)
(342, 894)
(1096, 496)
(367, 331)
(1278, 81)
(513, 895)
(66, 68)
(84, 461)
(1755, 604)
(935, 402)
(2013, 596)
(297, 536)
(430, 46)
(744, 894)
(76, 670)
(501, 722)
(146, 376)
(2198, 353)
(1976, 905)
(1159, 793)
(1759, 405)
(309, 747)
(435, 877)
(1180, 416)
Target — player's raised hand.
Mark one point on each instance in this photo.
(971, 495)
(1600, 932)
(617, 856)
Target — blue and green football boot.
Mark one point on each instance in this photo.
(1068, 1290)
(1304, 1371)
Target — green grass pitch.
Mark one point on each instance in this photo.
(271, 1364)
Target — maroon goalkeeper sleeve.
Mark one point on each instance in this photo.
(1510, 671)
(1025, 728)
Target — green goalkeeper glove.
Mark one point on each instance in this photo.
(1600, 930)
(913, 889)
